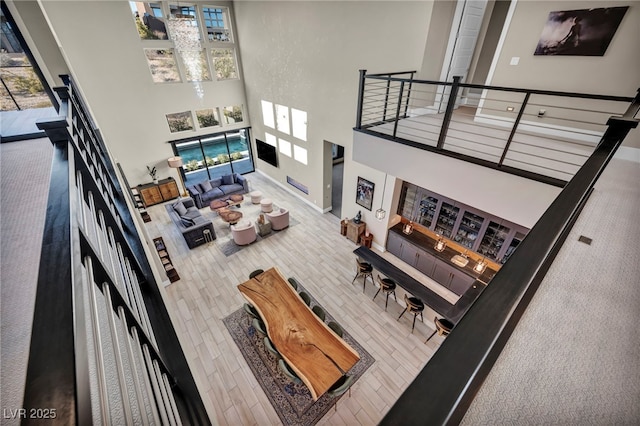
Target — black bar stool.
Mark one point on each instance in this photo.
(415, 306)
(388, 286)
(443, 327)
(364, 270)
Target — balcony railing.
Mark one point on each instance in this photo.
(445, 388)
(542, 135)
(103, 350)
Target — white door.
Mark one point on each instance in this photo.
(462, 43)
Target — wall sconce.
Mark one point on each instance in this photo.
(480, 266)
(176, 163)
(440, 244)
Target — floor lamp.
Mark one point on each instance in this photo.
(176, 163)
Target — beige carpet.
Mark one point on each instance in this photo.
(574, 358)
(24, 177)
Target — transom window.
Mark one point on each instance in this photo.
(214, 21)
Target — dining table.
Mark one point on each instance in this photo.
(317, 355)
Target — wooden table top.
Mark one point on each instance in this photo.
(309, 346)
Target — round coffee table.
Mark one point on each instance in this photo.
(230, 216)
(236, 198)
(216, 205)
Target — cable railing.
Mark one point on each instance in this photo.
(445, 388)
(103, 350)
(542, 135)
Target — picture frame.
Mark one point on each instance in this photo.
(364, 193)
(583, 32)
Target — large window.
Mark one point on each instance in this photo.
(215, 21)
(211, 156)
(21, 85)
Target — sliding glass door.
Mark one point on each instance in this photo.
(215, 155)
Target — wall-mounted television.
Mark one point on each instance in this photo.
(267, 152)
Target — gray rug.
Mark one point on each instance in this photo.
(228, 246)
(292, 402)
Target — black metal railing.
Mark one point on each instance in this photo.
(539, 134)
(103, 349)
(443, 391)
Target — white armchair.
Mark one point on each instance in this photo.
(243, 233)
(279, 219)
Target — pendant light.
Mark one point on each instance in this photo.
(381, 213)
(441, 244)
(481, 265)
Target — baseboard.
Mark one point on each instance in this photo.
(378, 247)
(317, 208)
(588, 136)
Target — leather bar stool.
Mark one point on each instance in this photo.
(414, 306)
(443, 327)
(364, 270)
(388, 286)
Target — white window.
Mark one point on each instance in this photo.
(285, 147)
(270, 139)
(299, 123)
(267, 114)
(300, 154)
(282, 118)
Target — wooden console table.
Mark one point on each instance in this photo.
(154, 193)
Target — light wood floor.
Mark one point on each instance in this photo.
(322, 260)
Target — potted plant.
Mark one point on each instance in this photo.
(153, 173)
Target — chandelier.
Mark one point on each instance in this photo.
(185, 35)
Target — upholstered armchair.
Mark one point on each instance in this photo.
(243, 233)
(279, 219)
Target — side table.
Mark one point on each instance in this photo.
(263, 228)
(354, 230)
(366, 240)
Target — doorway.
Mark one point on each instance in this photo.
(337, 176)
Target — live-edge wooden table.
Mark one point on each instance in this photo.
(316, 354)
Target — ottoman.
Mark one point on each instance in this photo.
(266, 205)
(256, 196)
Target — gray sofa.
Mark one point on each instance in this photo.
(204, 193)
(190, 222)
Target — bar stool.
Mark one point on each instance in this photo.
(388, 286)
(364, 270)
(414, 306)
(443, 327)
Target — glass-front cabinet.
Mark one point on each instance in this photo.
(428, 209)
(515, 242)
(493, 240)
(447, 219)
(472, 229)
(469, 229)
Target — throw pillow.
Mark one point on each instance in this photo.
(193, 189)
(180, 208)
(206, 186)
(227, 180)
(187, 221)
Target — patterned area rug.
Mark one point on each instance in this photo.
(292, 402)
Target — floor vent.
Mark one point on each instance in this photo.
(585, 240)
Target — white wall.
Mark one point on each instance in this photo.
(510, 197)
(306, 55)
(105, 55)
(615, 73)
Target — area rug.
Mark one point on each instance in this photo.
(292, 402)
(224, 240)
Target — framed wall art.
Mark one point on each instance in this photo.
(583, 32)
(364, 193)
